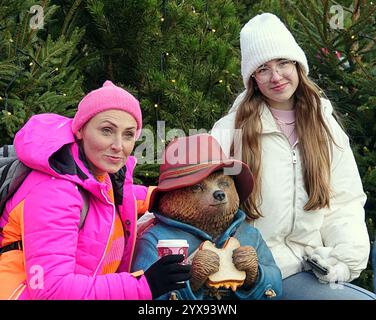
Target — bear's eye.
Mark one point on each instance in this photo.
(197, 188)
(223, 184)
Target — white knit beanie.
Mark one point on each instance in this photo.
(265, 38)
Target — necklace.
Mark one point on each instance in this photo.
(285, 127)
(293, 130)
(280, 122)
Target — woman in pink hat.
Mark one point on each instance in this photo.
(49, 248)
(308, 197)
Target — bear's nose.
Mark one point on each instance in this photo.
(219, 195)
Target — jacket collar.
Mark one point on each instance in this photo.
(123, 176)
(267, 120)
(268, 123)
(219, 242)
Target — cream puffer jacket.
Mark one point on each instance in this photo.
(286, 227)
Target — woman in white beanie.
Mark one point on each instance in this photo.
(308, 200)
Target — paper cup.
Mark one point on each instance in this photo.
(173, 246)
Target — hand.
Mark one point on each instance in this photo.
(337, 270)
(167, 274)
(245, 259)
(204, 263)
(319, 252)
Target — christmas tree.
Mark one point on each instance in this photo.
(191, 73)
(179, 58)
(37, 67)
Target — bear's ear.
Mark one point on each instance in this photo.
(161, 196)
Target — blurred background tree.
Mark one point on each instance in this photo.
(39, 69)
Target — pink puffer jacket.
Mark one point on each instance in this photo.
(59, 260)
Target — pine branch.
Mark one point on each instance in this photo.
(72, 11)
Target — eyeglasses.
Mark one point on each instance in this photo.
(283, 67)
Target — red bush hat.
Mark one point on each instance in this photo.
(189, 160)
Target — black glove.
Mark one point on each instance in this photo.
(167, 274)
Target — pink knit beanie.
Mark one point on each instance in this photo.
(106, 98)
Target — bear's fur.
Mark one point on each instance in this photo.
(197, 206)
(209, 206)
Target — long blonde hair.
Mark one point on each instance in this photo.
(315, 142)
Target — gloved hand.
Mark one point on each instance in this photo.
(167, 274)
(338, 271)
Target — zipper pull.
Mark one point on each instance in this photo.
(293, 157)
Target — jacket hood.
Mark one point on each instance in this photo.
(46, 143)
(41, 138)
(268, 123)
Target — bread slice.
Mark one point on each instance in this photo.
(227, 276)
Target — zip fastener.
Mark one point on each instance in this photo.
(134, 234)
(294, 157)
(109, 236)
(18, 291)
(294, 162)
